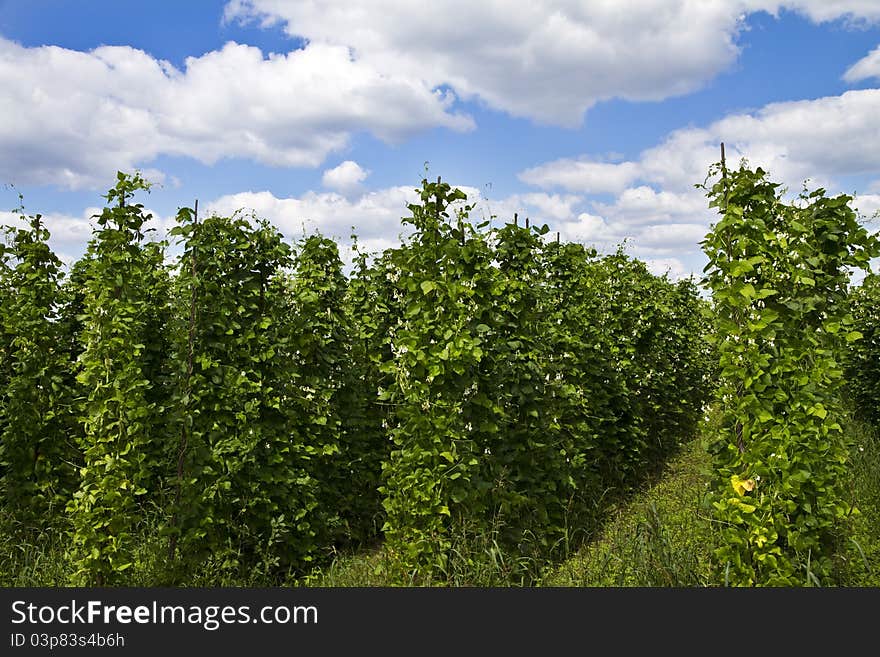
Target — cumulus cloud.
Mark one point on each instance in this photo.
(644, 205)
(549, 61)
(657, 208)
(582, 175)
(867, 204)
(538, 207)
(69, 234)
(122, 108)
(374, 214)
(651, 223)
(387, 68)
(345, 178)
(377, 214)
(672, 267)
(590, 229)
(822, 11)
(818, 141)
(670, 237)
(826, 137)
(867, 67)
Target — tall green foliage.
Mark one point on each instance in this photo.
(332, 404)
(524, 378)
(472, 381)
(529, 455)
(121, 451)
(374, 301)
(779, 275)
(244, 492)
(38, 450)
(444, 275)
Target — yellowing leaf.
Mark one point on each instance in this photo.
(741, 485)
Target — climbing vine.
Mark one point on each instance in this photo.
(121, 453)
(779, 276)
(245, 493)
(38, 450)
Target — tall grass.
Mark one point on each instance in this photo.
(663, 537)
(859, 557)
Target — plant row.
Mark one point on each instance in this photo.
(779, 272)
(271, 408)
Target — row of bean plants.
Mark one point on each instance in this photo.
(780, 273)
(269, 408)
(524, 379)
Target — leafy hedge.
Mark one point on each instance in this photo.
(122, 414)
(38, 429)
(779, 274)
(269, 409)
(525, 378)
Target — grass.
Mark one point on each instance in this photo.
(664, 537)
(660, 535)
(859, 557)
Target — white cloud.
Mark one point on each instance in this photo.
(70, 234)
(672, 238)
(541, 207)
(673, 267)
(89, 114)
(345, 178)
(383, 67)
(867, 204)
(824, 10)
(590, 229)
(582, 175)
(653, 223)
(377, 214)
(373, 215)
(867, 67)
(816, 139)
(549, 61)
(640, 206)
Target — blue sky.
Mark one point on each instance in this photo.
(594, 117)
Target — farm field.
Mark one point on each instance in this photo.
(481, 405)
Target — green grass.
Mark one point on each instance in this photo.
(662, 537)
(659, 535)
(859, 558)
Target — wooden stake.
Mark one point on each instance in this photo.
(724, 174)
(738, 427)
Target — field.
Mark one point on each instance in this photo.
(479, 406)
